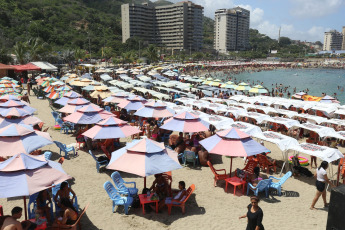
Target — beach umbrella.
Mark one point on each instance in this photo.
(111, 128)
(258, 89)
(64, 88)
(233, 143)
(28, 120)
(243, 87)
(9, 97)
(144, 158)
(116, 98)
(16, 104)
(328, 99)
(58, 83)
(73, 105)
(215, 83)
(132, 103)
(25, 175)
(186, 122)
(67, 97)
(14, 112)
(154, 109)
(55, 94)
(102, 91)
(20, 138)
(88, 115)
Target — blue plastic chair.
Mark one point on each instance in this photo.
(33, 203)
(278, 185)
(116, 198)
(64, 148)
(263, 185)
(55, 189)
(107, 108)
(190, 156)
(65, 126)
(121, 187)
(99, 163)
(47, 155)
(165, 137)
(56, 115)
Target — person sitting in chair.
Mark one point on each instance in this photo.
(180, 196)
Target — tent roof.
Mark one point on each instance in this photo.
(3, 66)
(45, 65)
(26, 67)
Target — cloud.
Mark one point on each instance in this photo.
(314, 8)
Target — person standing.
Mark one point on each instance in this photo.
(254, 215)
(321, 180)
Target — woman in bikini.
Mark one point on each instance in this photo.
(70, 215)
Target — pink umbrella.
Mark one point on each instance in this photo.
(73, 105)
(90, 114)
(154, 109)
(132, 103)
(186, 122)
(20, 138)
(116, 98)
(144, 158)
(234, 143)
(111, 128)
(24, 175)
(9, 97)
(28, 120)
(67, 97)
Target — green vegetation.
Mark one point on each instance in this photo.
(67, 30)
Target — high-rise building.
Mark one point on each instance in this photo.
(176, 27)
(343, 45)
(332, 40)
(231, 29)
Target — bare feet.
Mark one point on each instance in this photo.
(313, 208)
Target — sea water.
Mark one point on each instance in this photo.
(318, 81)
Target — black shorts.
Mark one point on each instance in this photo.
(320, 186)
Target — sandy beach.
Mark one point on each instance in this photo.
(208, 208)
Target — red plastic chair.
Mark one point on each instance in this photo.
(265, 163)
(190, 190)
(217, 176)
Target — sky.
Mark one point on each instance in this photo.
(304, 20)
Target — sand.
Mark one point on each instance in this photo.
(208, 208)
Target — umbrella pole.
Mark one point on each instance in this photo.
(230, 166)
(144, 182)
(25, 209)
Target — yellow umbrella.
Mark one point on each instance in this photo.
(215, 83)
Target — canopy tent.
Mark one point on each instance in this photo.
(323, 152)
(45, 66)
(220, 122)
(283, 121)
(26, 67)
(311, 118)
(282, 141)
(322, 131)
(236, 111)
(247, 128)
(259, 117)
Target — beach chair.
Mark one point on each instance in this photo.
(217, 176)
(100, 161)
(263, 185)
(64, 148)
(56, 115)
(249, 168)
(47, 155)
(65, 126)
(120, 185)
(265, 163)
(190, 190)
(32, 205)
(77, 223)
(116, 198)
(278, 185)
(190, 156)
(107, 108)
(165, 137)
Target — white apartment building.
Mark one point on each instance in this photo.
(332, 40)
(343, 45)
(176, 27)
(231, 29)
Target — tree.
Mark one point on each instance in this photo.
(5, 58)
(151, 53)
(20, 49)
(284, 41)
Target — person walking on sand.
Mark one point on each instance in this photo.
(254, 215)
(321, 180)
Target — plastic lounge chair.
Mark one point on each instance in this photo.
(120, 185)
(64, 148)
(190, 156)
(266, 164)
(107, 108)
(190, 190)
(217, 176)
(278, 185)
(65, 126)
(116, 198)
(99, 162)
(74, 226)
(56, 115)
(165, 137)
(263, 185)
(249, 168)
(47, 155)
(55, 189)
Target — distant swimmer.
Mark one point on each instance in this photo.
(295, 74)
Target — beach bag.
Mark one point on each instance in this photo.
(240, 173)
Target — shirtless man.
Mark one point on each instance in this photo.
(11, 222)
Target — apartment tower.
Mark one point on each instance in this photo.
(231, 29)
(343, 45)
(332, 40)
(176, 27)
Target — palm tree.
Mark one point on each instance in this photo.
(20, 50)
(37, 49)
(152, 54)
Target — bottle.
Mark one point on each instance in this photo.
(148, 193)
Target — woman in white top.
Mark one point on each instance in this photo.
(321, 180)
(181, 195)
